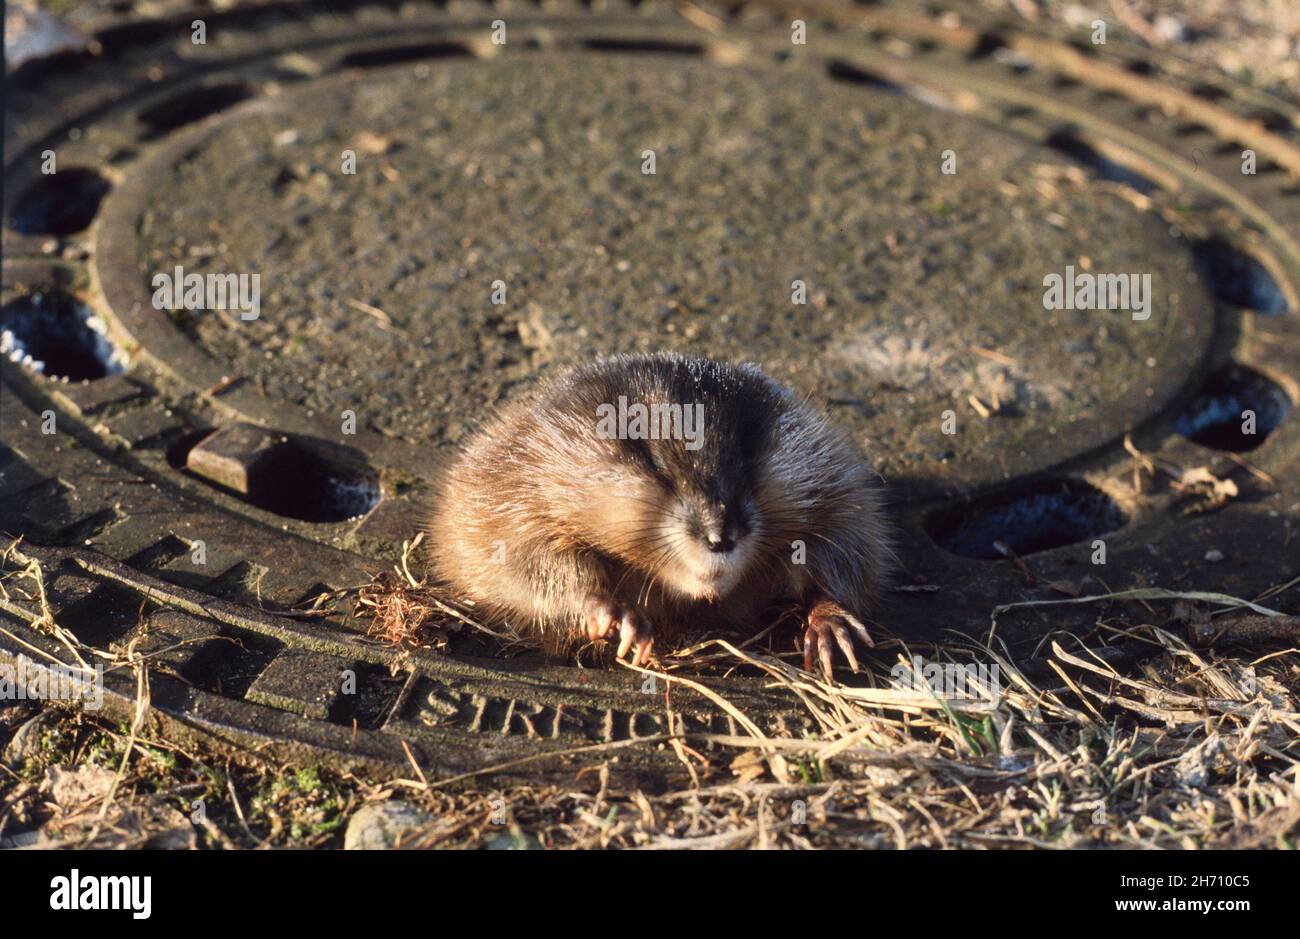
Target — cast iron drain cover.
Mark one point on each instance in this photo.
(435, 219)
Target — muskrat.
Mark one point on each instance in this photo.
(642, 495)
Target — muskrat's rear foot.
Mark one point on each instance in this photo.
(606, 619)
(828, 621)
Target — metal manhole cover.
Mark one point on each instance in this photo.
(516, 174)
(528, 173)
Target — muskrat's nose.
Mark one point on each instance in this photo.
(721, 543)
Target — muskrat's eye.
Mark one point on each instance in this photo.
(651, 460)
(740, 514)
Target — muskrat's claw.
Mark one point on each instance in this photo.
(602, 617)
(606, 619)
(828, 621)
(635, 636)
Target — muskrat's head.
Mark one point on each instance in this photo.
(688, 438)
(705, 520)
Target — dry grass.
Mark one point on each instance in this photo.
(1189, 750)
(1193, 750)
(399, 613)
(1133, 734)
(407, 611)
(1171, 746)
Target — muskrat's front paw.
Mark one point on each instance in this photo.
(829, 622)
(606, 619)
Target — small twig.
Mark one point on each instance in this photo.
(385, 321)
(239, 813)
(414, 765)
(1145, 593)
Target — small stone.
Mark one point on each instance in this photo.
(383, 825)
(1169, 28)
(512, 841)
(73, 789)
(1214, 555)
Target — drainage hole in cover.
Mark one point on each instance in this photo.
(661, 46)
(228, 665)
(1239, 278)
(278, 473)
(61, 203)
(849, 73)
(370, 702)
(1236, 410)
(1065, 141)
(186, 107)
(1035, 517)
(51, 333)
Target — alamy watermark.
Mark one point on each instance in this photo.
(178, 290)
(26, 680)
(948, 680)
(1087, 291)
(78, 891)
(651, 422)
